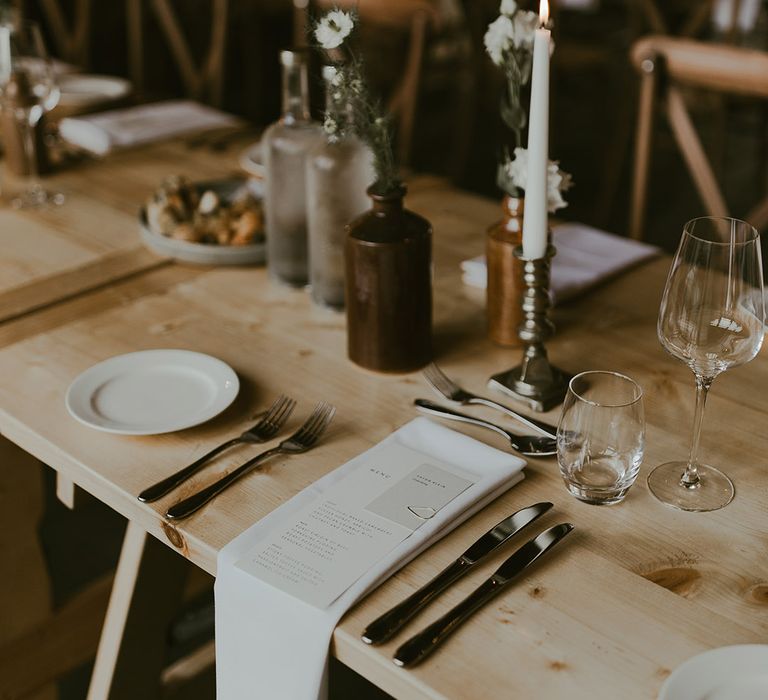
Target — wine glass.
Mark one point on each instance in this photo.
(712, 318)
(28, 89)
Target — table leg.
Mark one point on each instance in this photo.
(25, 596)
(148, 586)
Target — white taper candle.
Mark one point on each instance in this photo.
(535, 221)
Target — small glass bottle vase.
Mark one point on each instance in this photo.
(286, 144)
(339, 172)
(388, 255)
(505, 286)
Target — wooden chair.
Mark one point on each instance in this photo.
(70, 36)
(202, 81)
(668, 66)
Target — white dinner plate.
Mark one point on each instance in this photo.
(80, 90)
(729, 673)
(152, 392)
(209, 253)
(252, 160)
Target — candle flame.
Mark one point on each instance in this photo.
(544, 12)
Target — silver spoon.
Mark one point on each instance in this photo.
(528, 445)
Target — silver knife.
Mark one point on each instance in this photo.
(418, 647)
(385, 626)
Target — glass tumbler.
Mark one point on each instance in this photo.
(601, 436)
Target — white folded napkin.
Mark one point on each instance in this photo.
(585, 256)
(272, 645)
(121, 128)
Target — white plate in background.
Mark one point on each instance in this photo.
(81, 90)
(152, 392)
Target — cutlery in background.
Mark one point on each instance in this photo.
(264, 430)
(418, 647)
(528, 445)
(303, 439)
(453, 392)
(392, 621)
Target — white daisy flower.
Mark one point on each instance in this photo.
(558, 181)
(525, 26)
(498, 38)
(508, 7)
(333, 29)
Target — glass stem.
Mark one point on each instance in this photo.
(31, 152)
(690, 478)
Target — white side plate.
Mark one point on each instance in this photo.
(80, 90)
(729, 673)
(152, 392)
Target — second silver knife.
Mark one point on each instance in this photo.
(385, 626)
(418, 647)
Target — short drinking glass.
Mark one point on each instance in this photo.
(601, 436)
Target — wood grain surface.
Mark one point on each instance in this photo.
(637, 589)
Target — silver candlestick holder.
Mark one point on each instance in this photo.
(534, 381)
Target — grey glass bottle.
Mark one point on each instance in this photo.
(339, 172)
(286, 144)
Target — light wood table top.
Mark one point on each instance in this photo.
(637, 589)
(92, 240)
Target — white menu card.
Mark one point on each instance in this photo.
(333, 540)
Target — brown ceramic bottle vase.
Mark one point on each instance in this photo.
(504, 290)
(388, 258)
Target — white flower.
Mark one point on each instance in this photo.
(333, 29)
(558, 181)
(525, 26)
(508, 7)
(330, 126)
(498, 38)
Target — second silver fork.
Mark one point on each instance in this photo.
(302, 440)
(453, 392)
(264, 430)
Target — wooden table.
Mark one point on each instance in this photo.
(92, 240)
(639, 587)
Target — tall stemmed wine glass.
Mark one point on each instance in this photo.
(28, 89)
(711, 318)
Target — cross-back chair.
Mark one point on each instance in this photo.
(667, 67)
(203, 80)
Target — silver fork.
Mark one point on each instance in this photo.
(302, 440)
(453, 392)
(265, 429)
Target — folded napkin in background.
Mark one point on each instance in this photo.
(585, 256)
(120, 128)
(272, 645)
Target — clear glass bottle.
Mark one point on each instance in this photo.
(286, 144)
(339, 172)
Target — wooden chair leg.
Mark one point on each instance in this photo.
(148, 586)
(654, 17)
(216, 52)
(642, 150)
(690, 146)
(410, 88)
(25, 596)
(135, 45)
(758, 217)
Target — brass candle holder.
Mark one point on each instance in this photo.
(534, 381)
